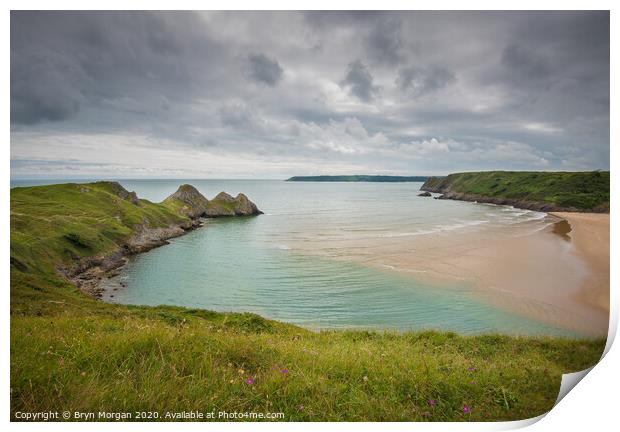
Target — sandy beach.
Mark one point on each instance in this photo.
(556, 277)
(590, 238)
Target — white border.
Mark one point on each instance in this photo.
(591, 406)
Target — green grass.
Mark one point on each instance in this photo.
(70, 352)
(580, 190)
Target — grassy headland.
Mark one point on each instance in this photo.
(71, 352)
(359, 178)
(546, 191)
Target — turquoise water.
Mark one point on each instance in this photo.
(291, 263)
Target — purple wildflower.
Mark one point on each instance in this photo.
(284, 371)
(471, 369)
(249, 381)
(432, 402)
(466, 409)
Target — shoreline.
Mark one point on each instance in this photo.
(509, 273)
(538, 274)
(590, 237)
(91, 273)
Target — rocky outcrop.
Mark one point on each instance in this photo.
(189, 202)
(117, 189)
(225, 205)
(522, 204)
(424, 194)
(87, 273)
(245, 207)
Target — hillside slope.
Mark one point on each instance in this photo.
(544, 191)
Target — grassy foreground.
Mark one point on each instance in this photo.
(73, 353)
(580, 190)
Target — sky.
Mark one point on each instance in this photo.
(268, 95)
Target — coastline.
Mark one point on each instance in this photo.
(509, 272)
(539, 274)
(590, 239)
(90, 274)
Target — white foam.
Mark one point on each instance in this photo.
(438, 229)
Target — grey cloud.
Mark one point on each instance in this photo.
(419, 81)
(45, 87)
(526, 64)
(64, 61)
(160, 84)
(264, 69)
(359, 81)
(239, 115)
(385, 41)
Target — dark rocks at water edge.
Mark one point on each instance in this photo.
(424, 194)
(187, 202)
(190, 202)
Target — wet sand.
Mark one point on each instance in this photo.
(590, 238)
(558, 275)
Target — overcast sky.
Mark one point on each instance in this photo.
(270, 95)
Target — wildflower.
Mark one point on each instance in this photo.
(365, 378)
(466, 409)
(249, 381)
(241, 371)
(284, 371)
(432, 402)
(471, 369)
(232, 381)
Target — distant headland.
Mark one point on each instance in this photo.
(533, 190)
(359, 178)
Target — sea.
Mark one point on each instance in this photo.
(299, 262)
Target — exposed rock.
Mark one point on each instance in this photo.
(218, 208)
(133, 198)
(225, 205)
(517, 203)
(117, 189)
(424, 194)
(193, 203)
(87, 273)
(224, 197)
(245, 207)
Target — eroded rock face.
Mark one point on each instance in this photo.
(121, 192)
(194, 204)
(225, 205)
(245, 207)
(224, 197)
